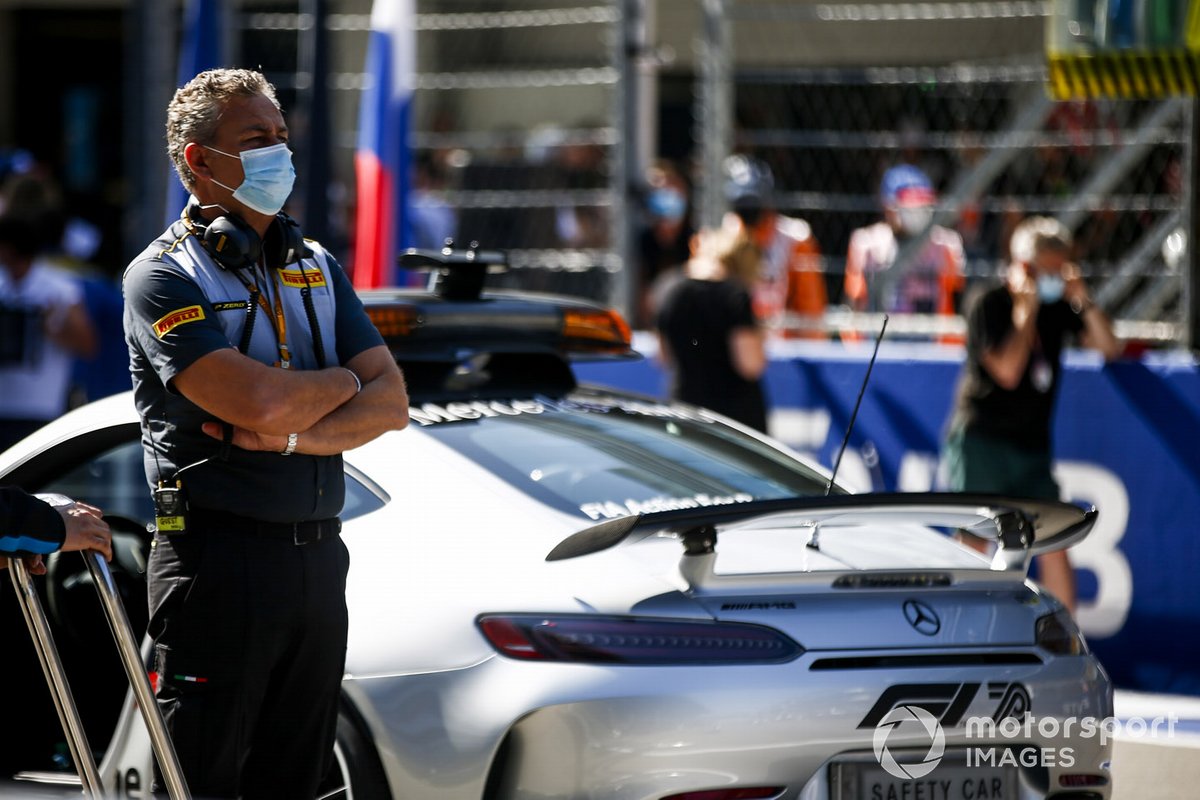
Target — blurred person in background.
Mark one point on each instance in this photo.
(930, 276)
(664, 241)
(709, 336)
(434, 220)
(69, 243)
(582, 168)
(792, 281)
(43, 326)
(999, 438)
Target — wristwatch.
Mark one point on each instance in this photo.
(293, 438)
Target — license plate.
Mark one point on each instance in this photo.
(951, 780)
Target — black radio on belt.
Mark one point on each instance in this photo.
(170, 508)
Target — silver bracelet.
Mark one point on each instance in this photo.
(293, 439)
(357, 382)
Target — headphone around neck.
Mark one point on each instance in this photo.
(234, 245)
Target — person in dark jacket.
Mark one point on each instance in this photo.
(31, 528)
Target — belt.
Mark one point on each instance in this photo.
(298, 533)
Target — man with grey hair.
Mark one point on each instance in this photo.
(999, 436)
(243, 426)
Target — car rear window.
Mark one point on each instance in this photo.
(606, 457)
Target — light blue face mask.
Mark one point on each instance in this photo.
(269, 178)
(1050, 288)
(667, 204)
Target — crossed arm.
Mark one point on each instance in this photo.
(265, 404)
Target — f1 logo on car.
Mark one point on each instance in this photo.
(947, 702)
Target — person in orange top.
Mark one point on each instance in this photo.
(930, 256)
(793, 278)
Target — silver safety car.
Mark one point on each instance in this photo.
(560, 591)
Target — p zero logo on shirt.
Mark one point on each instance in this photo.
(296, 279)
(177, 318)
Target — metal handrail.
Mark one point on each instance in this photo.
(56, 679)
(127, 647)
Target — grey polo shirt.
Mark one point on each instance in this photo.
(180, 306)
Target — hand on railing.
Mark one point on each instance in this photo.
(85, 531)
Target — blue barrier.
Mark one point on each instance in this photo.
(1127, 439)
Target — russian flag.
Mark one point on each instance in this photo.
(199, 49)
(381, 163)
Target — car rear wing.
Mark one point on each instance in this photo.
(60, 690)
(1018, 528)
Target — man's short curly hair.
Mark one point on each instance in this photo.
(195, 111)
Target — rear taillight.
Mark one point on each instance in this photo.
(753, 793)
(1058, 634)
(634, 641)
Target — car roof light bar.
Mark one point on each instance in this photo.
(457, 274)
(602, 330)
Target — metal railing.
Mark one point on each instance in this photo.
(944, 327)
(60, 690)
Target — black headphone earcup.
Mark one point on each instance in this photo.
(284, 243)
(232, 243)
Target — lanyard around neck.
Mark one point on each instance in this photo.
(275, 315)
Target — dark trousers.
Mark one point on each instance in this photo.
(977, 462)
(250, 646)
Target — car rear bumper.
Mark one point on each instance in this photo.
(539, 730)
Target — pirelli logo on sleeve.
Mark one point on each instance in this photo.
(298, 280)
(177, 318)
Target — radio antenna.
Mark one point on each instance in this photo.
(854, 415)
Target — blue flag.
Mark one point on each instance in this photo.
(382, 161)
(199, 49)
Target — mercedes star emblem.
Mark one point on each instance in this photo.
(923, 618)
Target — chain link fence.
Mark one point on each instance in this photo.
(514, 141)
(520, 137)
(956, 89)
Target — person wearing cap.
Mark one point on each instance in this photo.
(904, 263)
(999, 436)
(792, 281)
